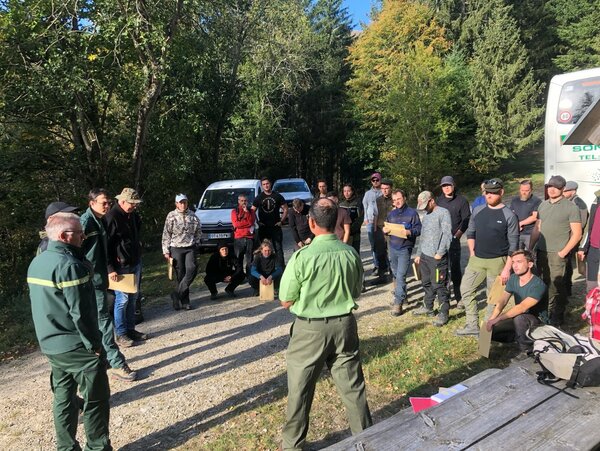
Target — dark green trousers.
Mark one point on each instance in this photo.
(552, 271)
(105, 324)
(313, 344)
(70, 370)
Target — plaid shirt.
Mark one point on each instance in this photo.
(181, 230)
(592, 312)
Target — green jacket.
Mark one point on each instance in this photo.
(94, 248)
(63, 302)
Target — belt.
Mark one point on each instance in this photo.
(327, 318)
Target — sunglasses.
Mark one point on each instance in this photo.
(491, 182)
(375, 179)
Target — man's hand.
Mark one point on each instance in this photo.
(385, 230)
(113, 276)
(489, 324)
(287, 304)
(269, 280)
(308, 241)
(417, 260)
(437, 257)
(278, 224)
(504, 275)
(167, 256)
(263, 280)
(407, 232)
(458, 234)
(562, 254)
(300, 244)
(581, 255)
(227, 279)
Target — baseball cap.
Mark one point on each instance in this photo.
(447, 180)
(557, 181)
(423, 198)
(571, 186)
(375, 175)
(57, 207)
(129, 195)
(180, 197)
(493, 186)
(387, 182)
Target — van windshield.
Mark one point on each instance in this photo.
(216, 199)
(575, 98)
(290, 187)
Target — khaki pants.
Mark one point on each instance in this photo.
(314, 343)
(552, 271)
(477, 271)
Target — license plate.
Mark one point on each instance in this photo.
(218, 236)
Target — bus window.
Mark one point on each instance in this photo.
(575, 98)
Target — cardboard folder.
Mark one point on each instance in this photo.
(125, 283)
(170, 268)
(416, 271)
(267, 292)
(485, 340)
(496, 292)
(396, 229)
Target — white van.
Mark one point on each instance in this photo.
(569, 97)
(214, 209)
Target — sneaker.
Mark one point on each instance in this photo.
(136, 336)
(214, 296)
(467, 330)
(125, 373)
(124, 341)
(423, 311)
(176, 301)
(397, 310)
(230, 293)
(460, 305)
(440, 321)
(187, 306)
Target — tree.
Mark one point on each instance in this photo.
(504, 94)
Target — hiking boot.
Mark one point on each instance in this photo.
(214, 296)
(125, 373)
(397, 310)
(256, 293)
(176, 301)
(467, 330)
(230, 293)
(460, 305)
(423, 311)
(136, 336)
(124, 341)
(440, 321)
(138, 315)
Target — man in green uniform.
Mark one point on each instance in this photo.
(65, 317)
(94, 248)
(319, 286)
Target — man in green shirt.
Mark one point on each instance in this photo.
(320, 285)
(63, 306)
(556, 232)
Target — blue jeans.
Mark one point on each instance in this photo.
(125, 302)
(400, 262)
(372, 243)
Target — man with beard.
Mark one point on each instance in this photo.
(528, 290)
(321, 189)
(268, 203)
(558, 230)
(492, 236)
(525, 206)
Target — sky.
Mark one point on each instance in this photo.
(359, 10)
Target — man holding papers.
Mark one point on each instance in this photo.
(401, 244)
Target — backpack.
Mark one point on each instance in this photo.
(574, 358)
(592, 312)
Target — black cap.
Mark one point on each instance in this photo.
(387, 182)
(493, 186)
(57, 207)
(557, 181)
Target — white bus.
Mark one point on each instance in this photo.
(569, 97)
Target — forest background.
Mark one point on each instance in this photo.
(168, 96)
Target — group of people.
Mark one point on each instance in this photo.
(323, 278)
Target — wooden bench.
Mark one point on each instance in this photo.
(502, 409)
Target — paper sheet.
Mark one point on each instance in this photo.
(419, 404)
(125, 283)
(496, 292)
(416, 271)
(170, 268)
(396, 229)
(485, 341)
(267, 292)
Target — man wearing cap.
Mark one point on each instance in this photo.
(180, 239)
(384, 204)
(432, 257)
(63, 307)
(556, 232)
(400, 249)
(124, 250)
(320, 286)
(460, 213)
(570, 192)
(52, 209)
(370, 209)
(94, 247)
(525, 206)
(492, 236)
(590, 251)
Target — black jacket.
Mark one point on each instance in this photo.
(299, 224)
(459, 209)
(123, 233)
(586, 241)
(220, 267)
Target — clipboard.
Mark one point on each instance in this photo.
(170, 268)
(396, 229)
(267, 292)
(125, 283)
(496, 292)
(485, 341)
(581, 267)
(416, 271)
